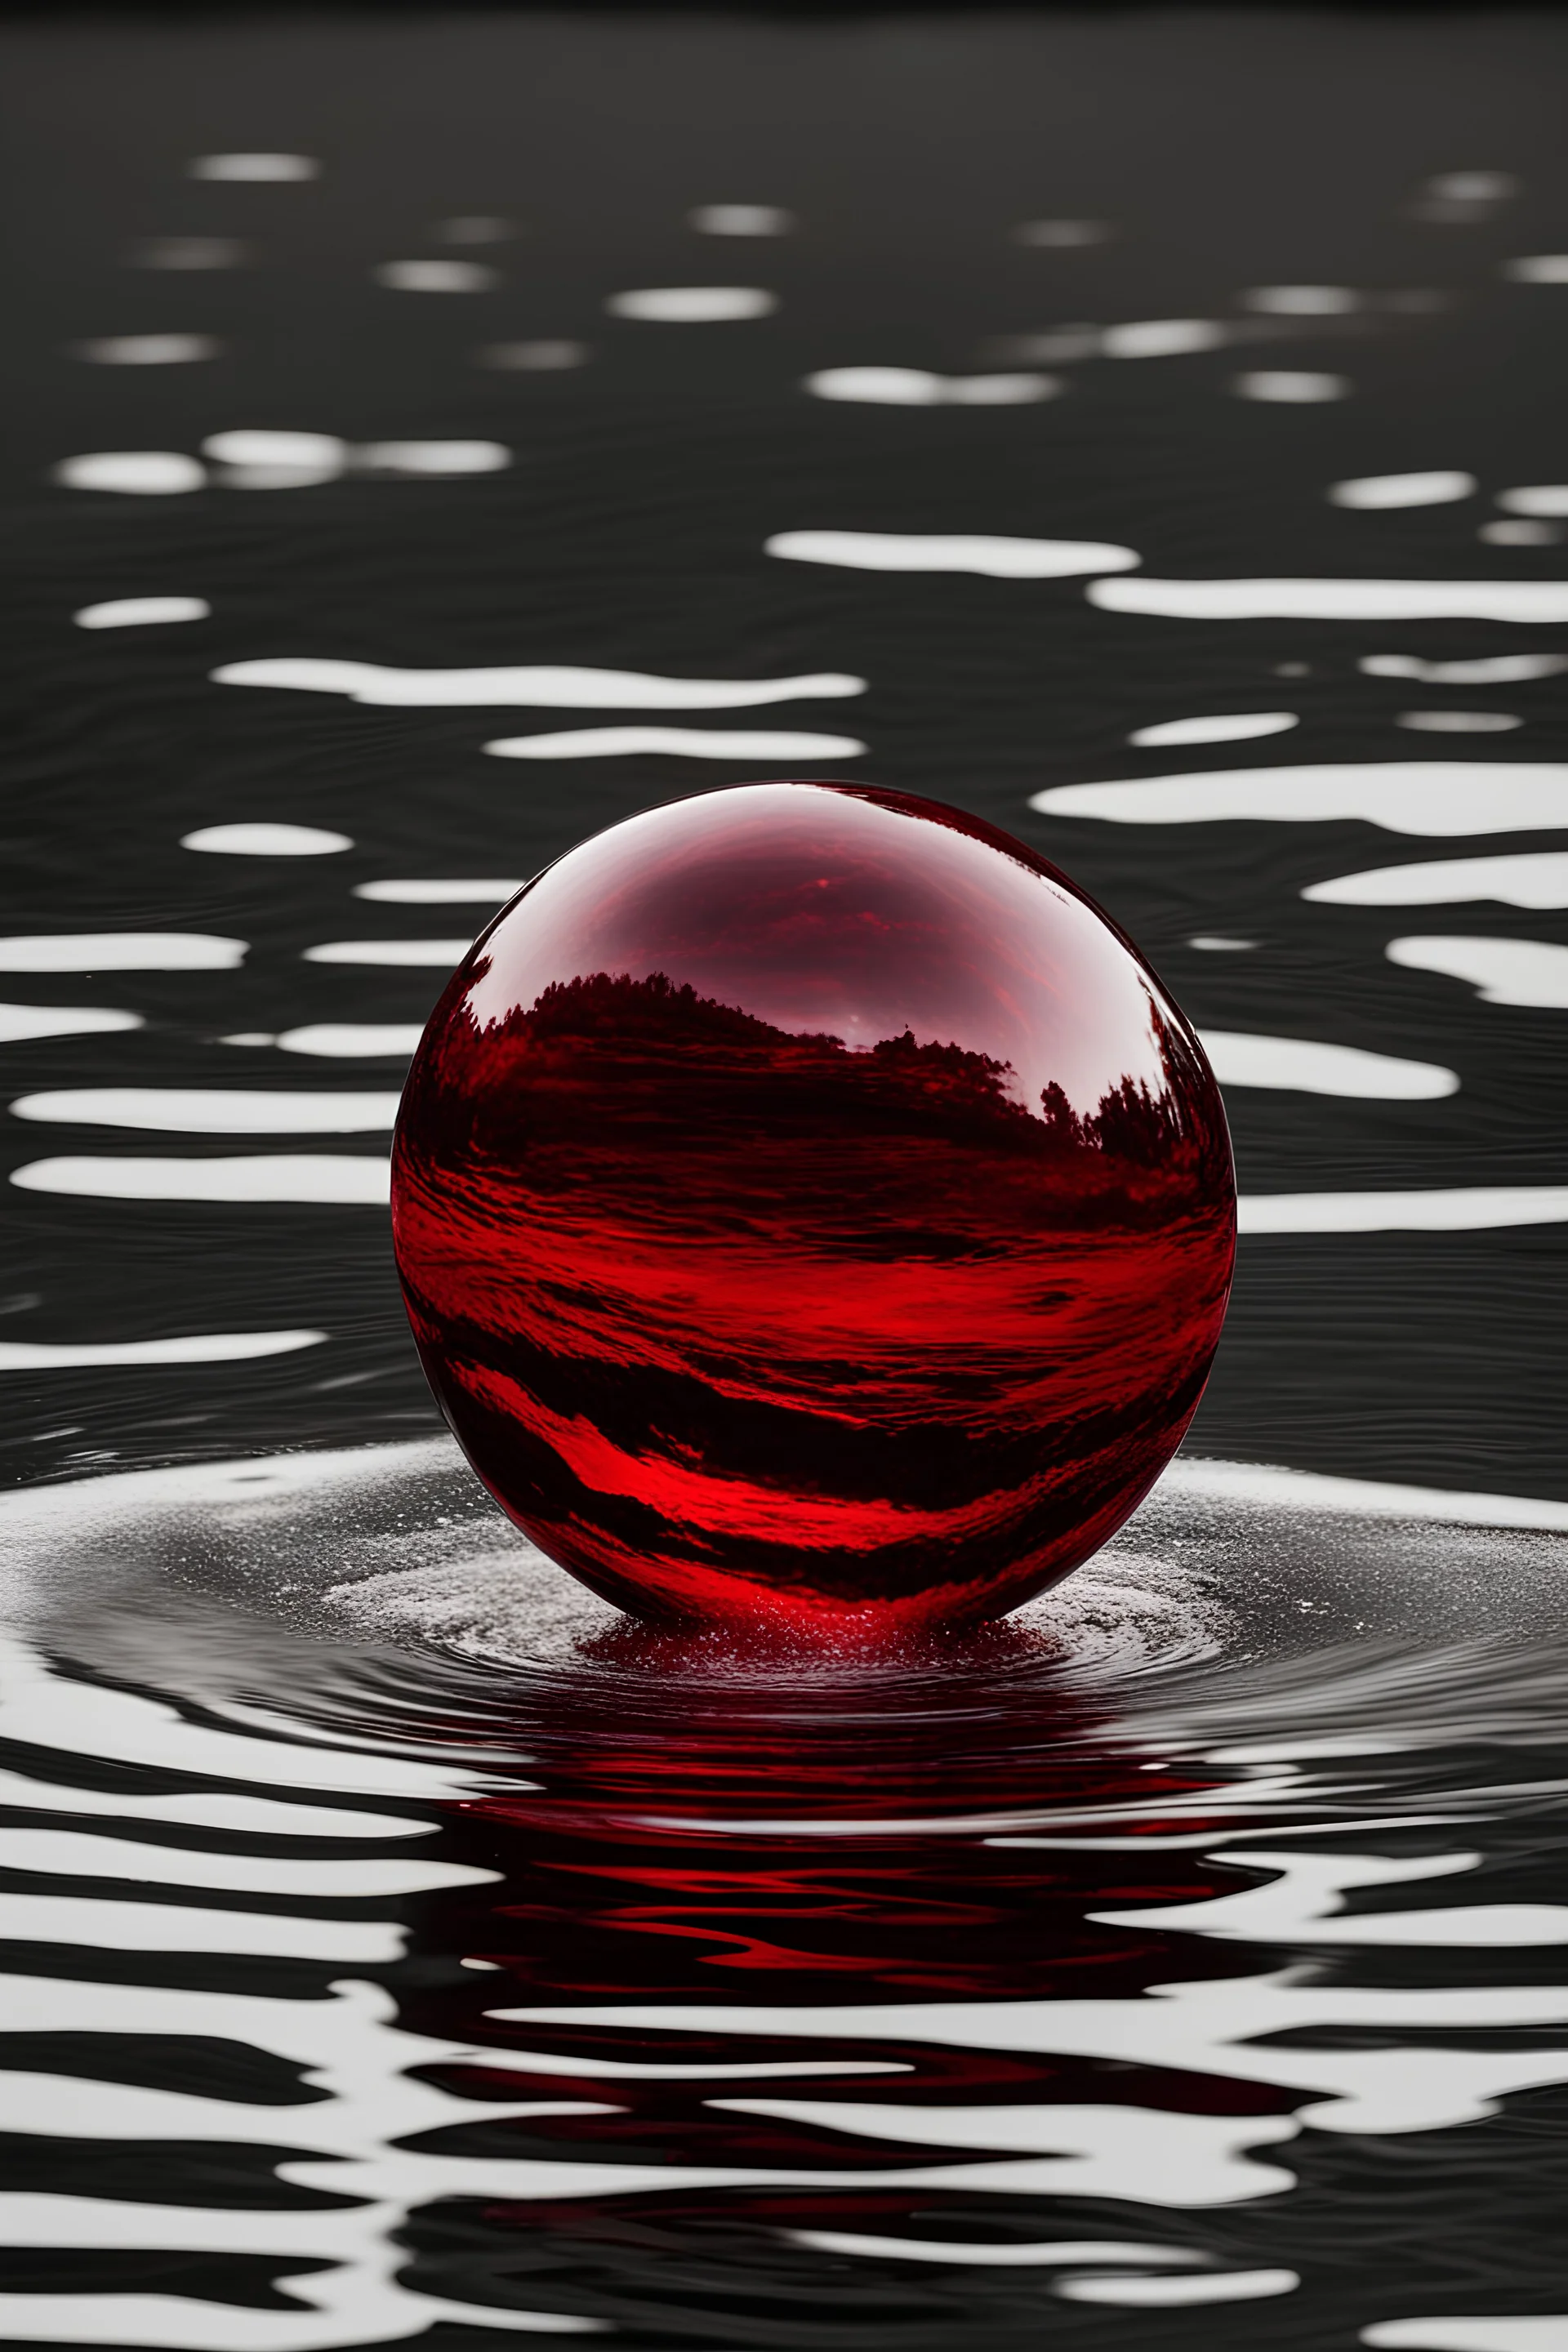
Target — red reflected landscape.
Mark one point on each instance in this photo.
(811, 1210)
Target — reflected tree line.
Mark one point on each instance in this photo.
(650, 1039)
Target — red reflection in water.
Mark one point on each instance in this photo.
(709, 1873)
(697, 1825)
(810, 1208)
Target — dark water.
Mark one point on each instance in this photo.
(397, 1941)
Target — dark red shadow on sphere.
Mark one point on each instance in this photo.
(812, 1210)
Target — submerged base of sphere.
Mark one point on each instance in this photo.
(811, 1210)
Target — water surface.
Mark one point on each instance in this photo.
(432, 438)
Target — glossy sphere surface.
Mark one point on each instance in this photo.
(810, 1209)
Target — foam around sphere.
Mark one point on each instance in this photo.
(812, 1210)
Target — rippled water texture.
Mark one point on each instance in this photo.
(430, 439)
(399, 1935)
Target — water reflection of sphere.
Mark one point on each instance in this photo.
(811, 1210)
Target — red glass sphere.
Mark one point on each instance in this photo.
(811, 1209)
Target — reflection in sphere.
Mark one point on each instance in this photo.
(812, 1212)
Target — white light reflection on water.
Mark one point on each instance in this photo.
(266, 840)
(692, 305)
(1521, 534)
(1502, 971)
(1474, 187)
(1534, 878)
(135, 473)
(148, 351)
(1145, 2291)
(1375, 493)
(197, 1348)
(996, 558)
(530, 685)
(120, 951)
(741, 220)
(259, 459)
(1303, 301)
(19, 1022)
(141, 612)
(431, 458)
(639, 2070)
(674, 742)
(1054, 2254)
(342, 1040)
(1481, 669)
(1295, 387)
(274, 167)
(1216, 727)
(326, 1178)
(436, 277)
(1458, 722)
(211, 1111)
(114, 1925)
(435, 955)
(1421, 796)
(1475, 1208)
(78, 1854)
(906, 387)
(1163, 338)
(1529, 2334)
(1240, 1058)
(1546, 500)
(1535, 601)
(420, 893)
(254, 459)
